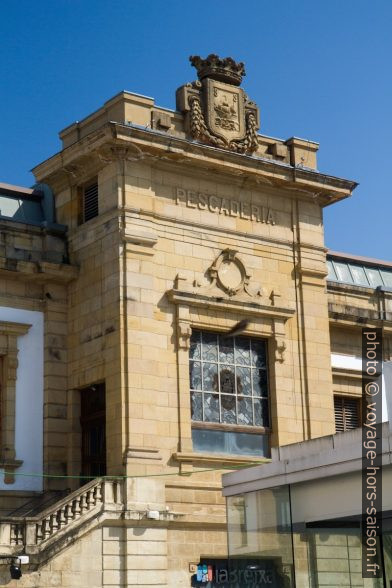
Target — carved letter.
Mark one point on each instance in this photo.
(214, 207)
(255, 212)
(270, 217)
(191, 199)
(234, 208)
(224, 206)
(180, 195)
(202, 201)
(245, 210)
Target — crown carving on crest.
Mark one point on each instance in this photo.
(223, 70)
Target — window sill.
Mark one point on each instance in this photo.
(229, 427)
(227, 461)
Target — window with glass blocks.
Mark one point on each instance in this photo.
(229, 393)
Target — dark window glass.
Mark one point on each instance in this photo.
(92, 422)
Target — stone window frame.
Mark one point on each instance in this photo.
(9, 333)
(196, 311)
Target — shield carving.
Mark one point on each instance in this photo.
(225, 112)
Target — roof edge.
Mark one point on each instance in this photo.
(359, 258)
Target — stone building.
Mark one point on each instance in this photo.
(165, 293)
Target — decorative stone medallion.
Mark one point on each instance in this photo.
(229, 273)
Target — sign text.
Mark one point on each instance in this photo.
(227, 206)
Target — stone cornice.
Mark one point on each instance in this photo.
(321, 185)
(347, 373)
(9, 328)
(9, 466)
(341, 320)
(37, 271)
(251, 308)
(356, 290)
(101, 146)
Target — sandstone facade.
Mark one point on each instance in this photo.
(136, 280)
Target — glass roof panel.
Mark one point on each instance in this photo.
(331, 272)
(359, 275)
(387, 277)
(343, 272)
(374, 277)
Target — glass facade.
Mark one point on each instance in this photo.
(260, 539)
(263, 540)
(331, 556)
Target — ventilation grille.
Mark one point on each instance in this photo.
(90, 202)
(346, 413)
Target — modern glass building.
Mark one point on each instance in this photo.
(296, 522)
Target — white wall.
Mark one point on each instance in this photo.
(334, 497)
(351, 362)
(29, 399)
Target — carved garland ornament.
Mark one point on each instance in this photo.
(200, 131)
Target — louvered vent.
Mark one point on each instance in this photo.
(346, 413)
(90, 202)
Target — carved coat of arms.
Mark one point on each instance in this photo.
(218, 111)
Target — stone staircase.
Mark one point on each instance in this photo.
(33, 506)
(61, 523)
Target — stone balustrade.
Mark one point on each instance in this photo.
(31, 534)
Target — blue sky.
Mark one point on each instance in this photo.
(318, 70)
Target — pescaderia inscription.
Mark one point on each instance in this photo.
(226, 206)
